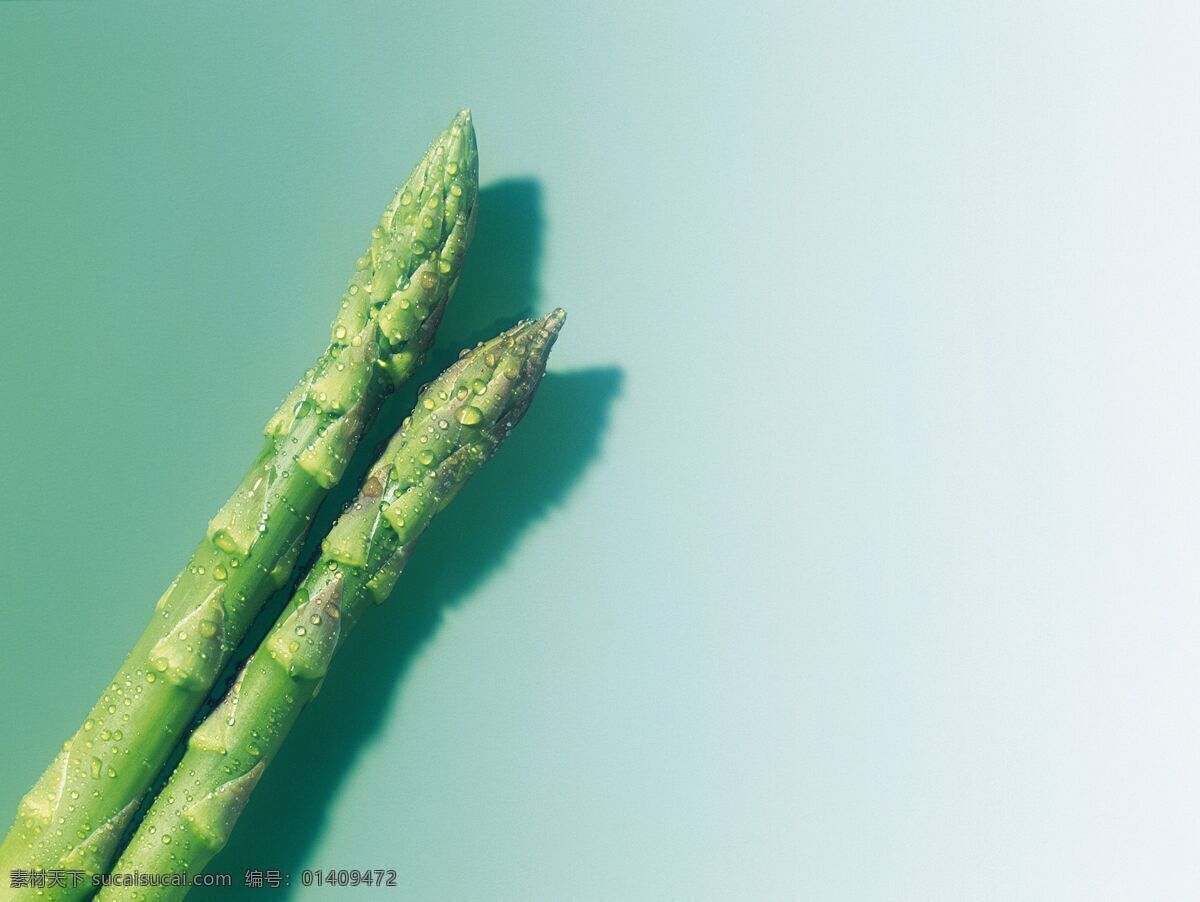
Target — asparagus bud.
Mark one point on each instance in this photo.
(385, 324)
(425, 464)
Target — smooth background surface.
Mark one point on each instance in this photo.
(849, 553)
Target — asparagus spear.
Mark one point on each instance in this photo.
(74, 816)
(459, 421)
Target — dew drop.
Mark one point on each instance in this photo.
(469, 416)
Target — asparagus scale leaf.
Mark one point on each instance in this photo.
(460, 420)
(75, 815)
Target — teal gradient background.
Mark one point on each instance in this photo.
(848, 551)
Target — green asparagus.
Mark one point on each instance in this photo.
(459, 421)
(75, 815)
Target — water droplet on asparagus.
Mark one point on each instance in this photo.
(469, 416)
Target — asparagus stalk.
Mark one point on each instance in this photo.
(75, 815)
(459, 421)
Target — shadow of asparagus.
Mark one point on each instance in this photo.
(534, 471)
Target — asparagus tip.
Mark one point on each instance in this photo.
(469, 148)
(554, 321)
